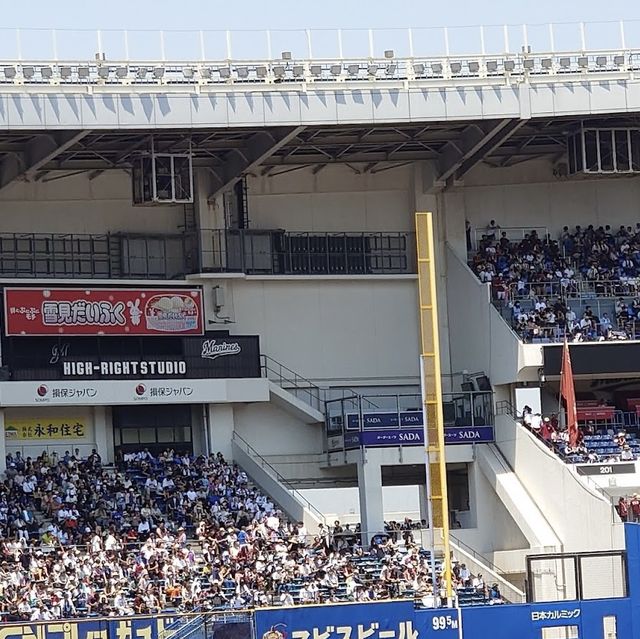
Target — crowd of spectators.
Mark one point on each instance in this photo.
(556, 437)
(548, 273)
(176, 532)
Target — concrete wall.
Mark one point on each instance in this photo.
(335, 198)
(362, 331)
(272, 431)
(79, 205)
(581, 517)
(529, 195)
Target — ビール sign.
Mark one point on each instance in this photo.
(123, 311)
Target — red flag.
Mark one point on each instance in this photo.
(568, 393)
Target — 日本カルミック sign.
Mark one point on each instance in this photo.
(98, 311)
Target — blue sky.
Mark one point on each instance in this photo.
(283, 15)
(257, 14)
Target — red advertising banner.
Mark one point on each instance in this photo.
(101, 311)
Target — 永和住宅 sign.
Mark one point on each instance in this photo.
(101, 311)
(44, 429)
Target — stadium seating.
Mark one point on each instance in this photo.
(177, 533)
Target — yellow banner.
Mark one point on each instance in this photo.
(44, 429)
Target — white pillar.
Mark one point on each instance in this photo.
(3, 448)
(371, 505)
(422, 498)
(221, 427)
(103, 433)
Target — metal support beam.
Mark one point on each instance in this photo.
(476, 142)
(259, 147)
(37, 153)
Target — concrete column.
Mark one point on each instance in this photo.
(3, 448)
(209, 215)
(221, 426)
(103, 433)
(422, 500)
(371, 505)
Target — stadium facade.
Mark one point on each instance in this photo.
(221, 257)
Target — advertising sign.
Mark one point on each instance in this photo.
(123, 311)
(41, 429)
(106, 357)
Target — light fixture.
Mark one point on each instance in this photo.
(142, 73)
(455, 67)
(601, 60)
(583, 61)
(121, 72)
(474, 66)
(618, 60)
(316, 70)
(436, 67)
(298, 70)
(509, 65)
(243, 72)
(336, 69)
(205, 73)
(492, 66)
(418, 69)
(225, 73)
(187, 72)
(286, 55)
(391, 69)
(158, 73)
(261, 72)
(353, 69)
(565, 63)
(389, 54)
(279, 70)
(103, 72)
(546, 63)
(9, 73)
(46, 73)
(83, 72)
(528, 63)
(28, 72)
(372, 69)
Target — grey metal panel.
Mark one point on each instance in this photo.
(500, 102)
(541, 97)
(172, 110)
(633, 96)
(4, 115)
(136, 110)
(281, 107)
(62, 110)
(26, 111)
(569, 97)
(427, 104)
(245, 108)
(608, 97)
(354, 106)
(464, 103)
(318, 106)
(209, 110)
(99, 111)
(391, 105)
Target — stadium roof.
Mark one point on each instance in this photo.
(34, 155)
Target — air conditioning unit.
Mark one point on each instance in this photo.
(162, 178)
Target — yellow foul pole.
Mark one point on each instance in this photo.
(436, 469)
